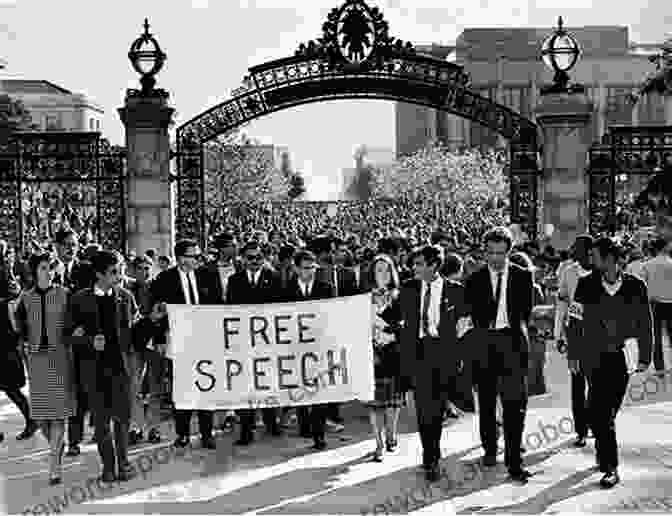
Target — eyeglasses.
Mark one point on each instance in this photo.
(254, 257)
(113, 272)
(196, 256)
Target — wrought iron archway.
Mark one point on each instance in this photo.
(624, 150)
(354, 59)
(92, 172)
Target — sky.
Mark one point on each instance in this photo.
(82, 45)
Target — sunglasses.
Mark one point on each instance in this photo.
(254, 257)
(196, 256)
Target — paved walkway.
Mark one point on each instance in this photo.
(283, 476)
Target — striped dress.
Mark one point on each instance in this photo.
(50, 372)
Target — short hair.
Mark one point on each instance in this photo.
(607, 246)
(286, 251)
(437, 236)
(499, 234)
(164, 258)
(522, 260)
(181, 246)
(304, 256)
(250, 245)
(63, 234)
(389, 245)
(431, 254)
(658, 245)
(452, 264)
(102, 260)
(142, 260)
(151, 253)
(35, 260)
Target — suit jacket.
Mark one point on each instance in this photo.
(443, 353)
(321, 290)
(167, 288)
(346, 280)
(483, 307)
(214, 283)
(81, 276)
(84, 313)
(241, 292)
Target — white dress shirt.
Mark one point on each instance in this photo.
(225, 272)
(186, 278)
(306, 288)
(100, 292)
(253, 277)
(434, 314)
(612, 288)
(502, 320)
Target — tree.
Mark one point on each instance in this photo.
(13, 117)
(450, 178)
(297, 186)
(238, 170)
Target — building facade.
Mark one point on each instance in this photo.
(505, 66)
(54, 108)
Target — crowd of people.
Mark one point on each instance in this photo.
(90, 324)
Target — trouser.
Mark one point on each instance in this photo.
(579, 387)
(145, 367)
(85, 376)
(431, 401)
(111, 412)
(183, 423)
(334, 412)
(502, 366)
(662, 317)
(313, 420)
(608, 381)
(19, 399)
(248, 420)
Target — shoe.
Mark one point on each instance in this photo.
(108, 477)
(319, 445)
(125, 474)
(489, 461)
(73, 450)
(391, 445)
(610, 479)
(522, 475)
(134, 437)
(28, 432)
(580, 442)
(378, 455)
(208, 443)
(275, 431)
(432, 474)
(154, 436)
(2, 437)
(54, 481)
(244, 441)
(305, 433)
(181, 442)
(334, 428)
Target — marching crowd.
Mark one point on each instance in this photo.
(91, 326)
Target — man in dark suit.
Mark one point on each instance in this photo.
(431, 358)
(184, 284)
(256, 284)
(500, 297)
(305, 286)
(76, 274)
(226, 265)
(101, 320)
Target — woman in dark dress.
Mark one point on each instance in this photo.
(13, 377)
(388, 397)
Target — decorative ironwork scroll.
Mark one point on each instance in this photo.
(355, 58)
(625, 152)
(50, 180)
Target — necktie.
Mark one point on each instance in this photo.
(425, 309)
(498, 294)
(192, 293)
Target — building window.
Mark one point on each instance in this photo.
(52, 122)
(97, 125)
(619, 109)
(91, 124)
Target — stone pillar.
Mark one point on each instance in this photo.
(566, 123)
(667, 99)
(150, 213)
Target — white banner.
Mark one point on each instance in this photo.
(282, 354)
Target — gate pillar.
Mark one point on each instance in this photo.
(150, 215)
(565, 119)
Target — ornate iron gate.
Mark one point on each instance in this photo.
(624, 151)
(33, 164)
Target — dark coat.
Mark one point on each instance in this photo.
(321, 290)
(346, 280)
(483, 308)
(214, 284)
(241, 292)
(389, 356)
(445, 353)
(11, 363)
(81, 276)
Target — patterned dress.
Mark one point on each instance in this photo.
(41, 316)
(386, 316)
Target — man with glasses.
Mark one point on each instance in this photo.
(101, 321)
(255, 284)
(226, 265)
(184, 284)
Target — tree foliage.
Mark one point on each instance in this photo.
(14, 116)
(450, 178)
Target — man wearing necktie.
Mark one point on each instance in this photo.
(184, 284)
(501, 348)
(255, 284)
(434, 317)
